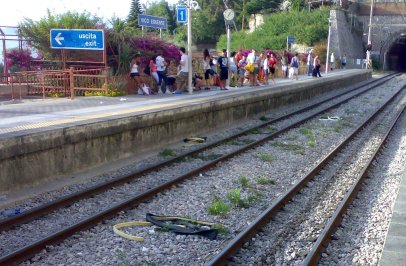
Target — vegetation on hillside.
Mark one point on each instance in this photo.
(306, 27)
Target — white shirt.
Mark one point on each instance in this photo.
(159, 61)
(134, 68)
(265, 65)
(231, 62)
(332, 58)
(185, 67)
(251, 58)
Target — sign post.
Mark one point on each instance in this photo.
(289, 40)
(77, 39)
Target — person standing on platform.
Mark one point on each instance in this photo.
(272, 62)
(154, 74)
(253, 59)
(265, 67)
(310, 60)
(209, 73)
(135, 72)
(241, 69)
(344, 61)
(294, 64)
(233, 69)
(161, 66)
(223, 65)
(332, 61)
(182, 78)
(316, 65)
(284, 63)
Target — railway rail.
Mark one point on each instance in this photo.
(28, 251)
(314, 253)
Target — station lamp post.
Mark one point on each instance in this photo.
(191, 4)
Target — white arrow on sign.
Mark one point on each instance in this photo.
(58, 38)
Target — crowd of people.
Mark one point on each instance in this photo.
(244, 68)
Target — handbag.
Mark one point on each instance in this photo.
(249, 67)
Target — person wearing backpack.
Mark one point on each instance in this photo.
(294, 64)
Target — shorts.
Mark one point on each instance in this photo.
(233, 69)
(182, 80)
(266, 72)
(223, 73)
(208, 73)
(256, 71)
(272, 70)
(134, 74)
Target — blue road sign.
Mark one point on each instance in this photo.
(151, 22)
(77, 39)
(181, 12)
(291, 40)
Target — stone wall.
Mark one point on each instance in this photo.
(344, 41)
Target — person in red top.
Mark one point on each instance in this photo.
(272, 61)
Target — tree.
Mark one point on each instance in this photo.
(162, 9)
(135, 10)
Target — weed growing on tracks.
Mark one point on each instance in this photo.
(167, 153)
(308, 133)
(264, 180)
(244, 181)
(254, 131)
(234, 196)
(266, 157)
(255, 196)
(290, 147)
(218, 207)
(221, 229)
(264, 118)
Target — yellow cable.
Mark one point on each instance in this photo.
(116, 229)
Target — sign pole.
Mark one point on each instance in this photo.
(328, 44)
(368, 56)
(189, 47)
(228, 52)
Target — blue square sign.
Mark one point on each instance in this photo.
(181, 14)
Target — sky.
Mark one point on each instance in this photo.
(36, 9)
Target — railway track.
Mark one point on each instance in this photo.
(27, 251)
(305, 231)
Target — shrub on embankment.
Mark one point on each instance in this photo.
(306, 27)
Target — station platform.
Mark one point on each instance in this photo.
(43, 139)
(395, 243)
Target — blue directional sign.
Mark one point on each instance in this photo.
(151, 22)
(291, 40)
(77, 39)
(181, 12)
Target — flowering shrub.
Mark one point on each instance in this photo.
(150, 47)
(18, 60)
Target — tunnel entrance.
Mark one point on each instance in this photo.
(396, 57)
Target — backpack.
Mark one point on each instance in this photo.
(147, 70)
(294, 63)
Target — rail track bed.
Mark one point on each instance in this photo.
(270, 164)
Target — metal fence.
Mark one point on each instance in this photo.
(60, 83)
